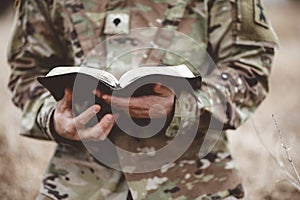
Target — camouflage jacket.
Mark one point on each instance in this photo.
(51, 33)
(235, 33)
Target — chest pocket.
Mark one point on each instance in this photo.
(191, 47)
(87, 18)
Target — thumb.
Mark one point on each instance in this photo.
(67, 99)
(157, 88)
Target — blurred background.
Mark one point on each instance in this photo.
(258, 153)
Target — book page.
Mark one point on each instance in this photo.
(101, 75)
(134, 74)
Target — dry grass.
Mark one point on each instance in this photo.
(262, 176)
(23, 160)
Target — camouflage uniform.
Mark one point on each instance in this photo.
(238, 37)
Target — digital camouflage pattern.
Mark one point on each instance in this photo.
(237, 35)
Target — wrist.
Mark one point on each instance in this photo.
(44, 118)
(185, 113)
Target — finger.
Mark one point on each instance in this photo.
(87, 115)
(67, 99)
(116, 101)
(137, 107)
(162, 90)
(139, 113)
(100, 130)
(97, 93)
(155, 111)
(157, 87)
(107, 123)
(133, 103)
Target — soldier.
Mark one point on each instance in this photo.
(46, 34)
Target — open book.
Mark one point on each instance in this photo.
(136, 82)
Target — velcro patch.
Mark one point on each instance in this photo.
(116, 23)
(260, 17)
(253, 25)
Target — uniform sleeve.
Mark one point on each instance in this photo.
(241, 42)
(36, 46)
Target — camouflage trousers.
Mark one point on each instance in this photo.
(74, 174)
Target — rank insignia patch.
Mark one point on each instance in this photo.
(117, 23)
(259, 13)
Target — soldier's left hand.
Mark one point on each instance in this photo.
(160, 104)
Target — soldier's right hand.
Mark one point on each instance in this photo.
(73, 128)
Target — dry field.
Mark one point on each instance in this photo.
(23, 160)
